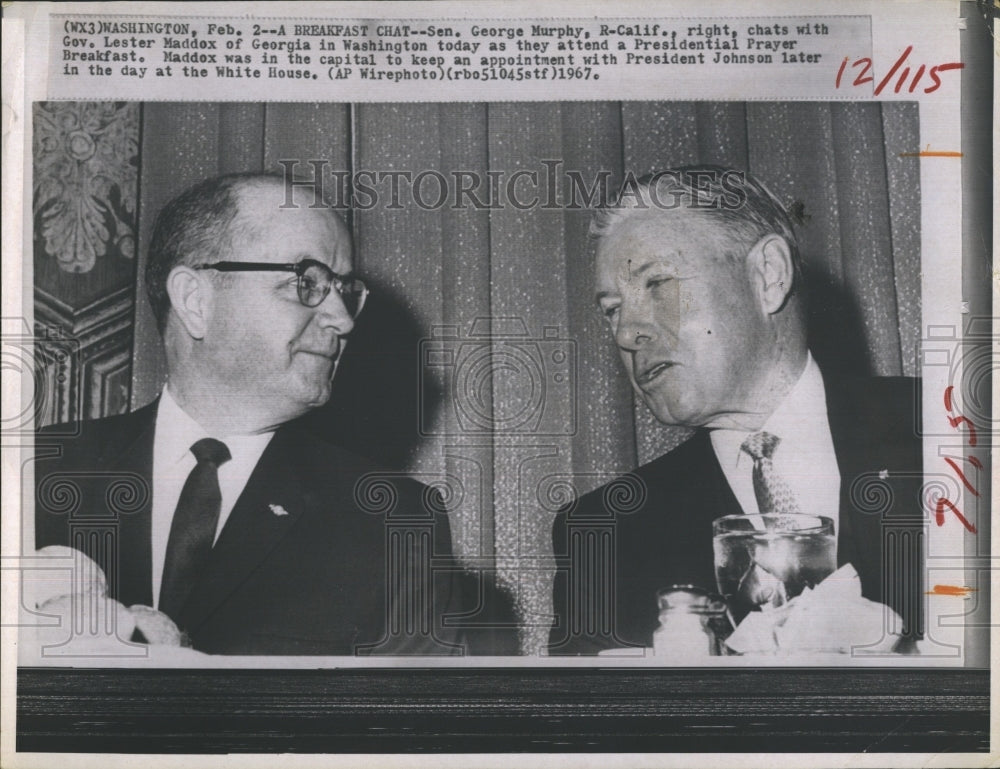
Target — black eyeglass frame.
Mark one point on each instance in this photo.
(335, 280)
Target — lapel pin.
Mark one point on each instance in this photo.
(277, 509)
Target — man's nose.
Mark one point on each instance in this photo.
(633, 331)
(332, 313)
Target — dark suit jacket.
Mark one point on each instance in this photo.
(613, 554)
(348, 570)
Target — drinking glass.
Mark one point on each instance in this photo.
(763, 561)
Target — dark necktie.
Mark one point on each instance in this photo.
(773, 493)
(192, 530)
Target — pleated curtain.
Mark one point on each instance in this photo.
(529, 405)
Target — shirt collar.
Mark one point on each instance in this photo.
(795, 416)
(805, 403)
(177, 431)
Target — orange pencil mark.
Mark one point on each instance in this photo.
(951, 590)
(929, 153)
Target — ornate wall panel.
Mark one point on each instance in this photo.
(84, 206)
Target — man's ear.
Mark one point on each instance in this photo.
(771, 271)
(190, 299)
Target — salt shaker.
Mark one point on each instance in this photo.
(693, 623)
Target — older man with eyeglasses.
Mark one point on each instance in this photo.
(252, 534)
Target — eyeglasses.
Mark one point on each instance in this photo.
(315, 280)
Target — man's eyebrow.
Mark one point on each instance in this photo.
(351, 273)
(640, 270)
(632, 274)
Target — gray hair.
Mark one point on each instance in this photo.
(744, 208)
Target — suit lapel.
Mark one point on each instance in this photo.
(711, 487)
(271, 504)
(856, 444)
(881, 493)
(724, 501)
(694, 505)
(718, 497)
(132, 452)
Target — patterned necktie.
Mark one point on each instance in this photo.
(773, 494)
(192, 530)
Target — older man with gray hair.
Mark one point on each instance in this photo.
(700, 280)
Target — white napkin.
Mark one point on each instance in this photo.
(65, 611)
(832, 617)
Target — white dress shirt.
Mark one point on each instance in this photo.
(804, 458)
(173, 461)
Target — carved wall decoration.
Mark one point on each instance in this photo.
(86, 184)
(85, 156)
(93, 378)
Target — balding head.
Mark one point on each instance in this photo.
(250, 347)
(197, 227)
